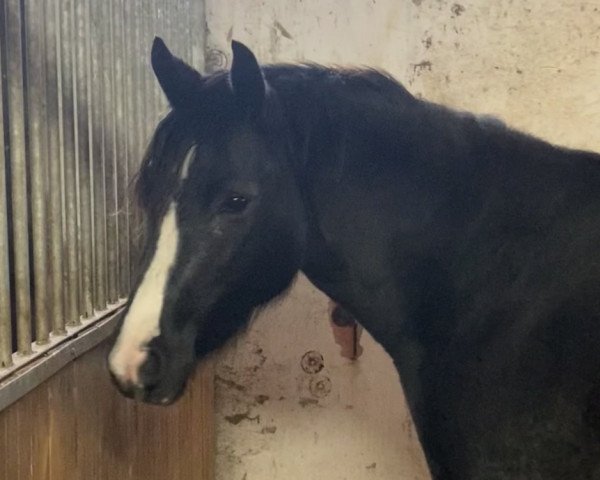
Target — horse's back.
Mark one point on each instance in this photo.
(516, 380)
(521, 392)
(519, 406)
(470, 251)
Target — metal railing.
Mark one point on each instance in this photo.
(78, 103)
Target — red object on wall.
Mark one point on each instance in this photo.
(346, 331)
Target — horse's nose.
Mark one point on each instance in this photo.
(127, 388)
(136, 371)
(150, 371)
(149, 375)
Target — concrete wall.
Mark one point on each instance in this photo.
(534, 63)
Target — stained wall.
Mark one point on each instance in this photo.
(534, 63)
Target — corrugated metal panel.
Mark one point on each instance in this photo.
(79, 103)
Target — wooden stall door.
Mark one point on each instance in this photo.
(76, 426)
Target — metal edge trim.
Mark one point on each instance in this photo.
(28, 376)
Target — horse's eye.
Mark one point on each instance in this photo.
(234, 204)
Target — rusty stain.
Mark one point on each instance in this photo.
(305, 402)
(346, 331)
(260, 399)
(349, 407)
(262, 358)
(457, 9)
(281, 29)
(424, 65)
(239, 417)
(320, 386)
(230, 383)
(372, 466)
(341, 317)
(407, 427)
(271, 429)
(312, 362)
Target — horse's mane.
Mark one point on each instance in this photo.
(296, 83)
(324, 102)
(317, 76)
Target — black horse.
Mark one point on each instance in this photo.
(469, 250)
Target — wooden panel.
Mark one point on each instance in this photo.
(77, 426)
(36, 413)
(62, 423)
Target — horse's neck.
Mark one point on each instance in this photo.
(349, 225)
(387, 190)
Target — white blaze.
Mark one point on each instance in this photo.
(141, 323)
(187, 161)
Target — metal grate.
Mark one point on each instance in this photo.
(78, 103)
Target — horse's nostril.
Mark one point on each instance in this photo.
(126, 389)
(150, 371)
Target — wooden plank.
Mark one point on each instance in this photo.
(104, 441)
(3, 447)
(8, 445)
(20, 444)
(14, 445)
(202, 424)
(77, 426)
(62, 426)
(36, 415)
(179, 440)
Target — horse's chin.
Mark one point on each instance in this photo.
(166, 400)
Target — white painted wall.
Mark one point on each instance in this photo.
(535, 63)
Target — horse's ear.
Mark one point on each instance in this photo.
(247, 79)
(179, 81)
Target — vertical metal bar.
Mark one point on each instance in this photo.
(5, 310)
(70, 162)
(99, 199)
(83, 143)
(197, 19)
(161, 29)
(131, 127)
(109, 153)
(165, 33)
(186, 33)
(53, 158)
(156, 18)
(140, 88)
(37, 135)
(173, 21)
(168, 13)
(121, 151)
(147, 41)
(171, 33)
(181, 39)
(18, 174)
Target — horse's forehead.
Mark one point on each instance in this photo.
(141, 323)
(186, 164)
